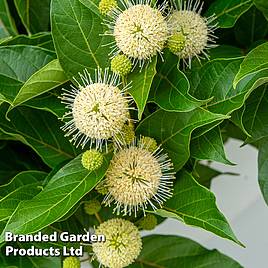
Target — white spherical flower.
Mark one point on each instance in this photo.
(97, 109)
(137, 178)
(197, 30)
(140, 30)
(122, 246)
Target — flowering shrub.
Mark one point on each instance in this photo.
(108, 109)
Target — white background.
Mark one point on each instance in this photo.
(240, 200)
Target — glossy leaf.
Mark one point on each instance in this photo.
(262, 5)
(140, 85)
(227, 12)
(47, 78)
(41, 131)
(173, 130)
(256, 61)
(209, 147)
(23, 186)
(29, 11)
(7, 25)
(174, 251)
(170, 87)
(77, 36)
(62, 192)
(17, 64)
(195, 205)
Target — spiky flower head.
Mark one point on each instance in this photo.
(137, 177)
(139, 29)
(197, 30)
(122, 246)
(92, 159)
(121, 64)
(105, 6)
(148, 222)
(97, 109)
(148, 143)
(71, 262)
(91, 207)
(101, 188)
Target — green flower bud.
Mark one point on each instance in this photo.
(176, 43)
(148, 143)
(126, 135)
(71, 262)
(101, 188)
(92, 159)
(148, 222)
(105, 6)
(93, 206)
(121, 65)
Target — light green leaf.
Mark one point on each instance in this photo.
(39, 130)
(77, 36)
(58, 197)
(195, 205)
(173, 130)
(209, 147)
(263, 168)
(141, 82)
(256, 61)
(7, 25)
(166, 251)
(17, 64)
(23, 186)
(33, 20)
(262, 5)
(170, 87)
(227, 12)
(43, 40)
(47, 78)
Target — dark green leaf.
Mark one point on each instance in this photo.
(195, 205)
(170, 87)
(34, 14)
(173, 130)
(92, 5)
(262, 5)
(41, 131)
(141, 82)
(7, 26)
(62, 192)
(228, 11)
(23, 186)
(76, 33)
(263, 169)
(17, 64)
(47, 78)
(209, 147)
(166, 251)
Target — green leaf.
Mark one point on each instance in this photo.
(250, 27)
(195, 205)
(43, 40)
(163, 251)
(262, 5)
(227, 12)
(58, 197)
(209, 147)
(23, 186)
(253, 117)
(141, 82)
(17, 64)
(173, 130)
(93, 5)
(7, 25)
(47, 78)
(77, 36)
(263, 169)
(256, 61)
(170, 87)
(224, 52)
(39, 130)
(33, 20)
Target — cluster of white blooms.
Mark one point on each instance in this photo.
(142, 29)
